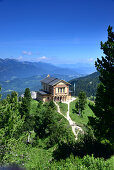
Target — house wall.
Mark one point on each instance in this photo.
(61, 88)
(47, 88)
(59, 92)
(43, 98)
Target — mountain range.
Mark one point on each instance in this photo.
(16, 76)
(11, 69)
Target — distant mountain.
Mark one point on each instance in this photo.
(11, 69)
(33, 83)
(88, 84)
(81, 68)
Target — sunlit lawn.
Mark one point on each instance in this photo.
(33, 107)
(63, 108)
(83, 119)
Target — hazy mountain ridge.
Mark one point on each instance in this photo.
(16, 75)
(11, 68)
(82, 68)
(19, 84)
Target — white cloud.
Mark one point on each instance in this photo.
(90, 59)
(43, 58)
(20, 58)
(27, 52)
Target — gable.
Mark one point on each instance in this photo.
(62, 82)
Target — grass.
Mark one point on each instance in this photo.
(33, 107)
(81, 120)
(63, 108)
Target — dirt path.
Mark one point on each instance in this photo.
(75, 129)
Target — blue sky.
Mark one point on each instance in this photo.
(54, 31)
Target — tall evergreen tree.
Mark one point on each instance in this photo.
(82, 100)
(27, 94)
(0, 94)
(104, 104)
(25, 111)
(80, 104)
(25, 105)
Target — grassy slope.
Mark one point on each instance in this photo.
(81, 120)
(41, 158)
(63, 107)
(33, 107)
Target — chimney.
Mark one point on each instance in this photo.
(48, 75)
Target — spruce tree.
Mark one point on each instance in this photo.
(27, 94)
(0, 94)
(104, 103)
(82, 100)
(25, 111)
(80, 104)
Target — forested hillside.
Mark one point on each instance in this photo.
(88, 84)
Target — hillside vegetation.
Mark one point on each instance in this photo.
(83, 119)
(88, 84)
(33, 135)
(37, 137)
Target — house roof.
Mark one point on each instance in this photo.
(52, 81)
(43, 92)
(47, 80)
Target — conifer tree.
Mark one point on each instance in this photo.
(82, 100)
(27, 94)
(0, 94)
(25, 111)
(104, 104)
(80, 104)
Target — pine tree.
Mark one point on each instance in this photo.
(104, 103)
(25, 111)
(27, 94)
(0, 94)
(80, 104)
(82, 100)
(25, 105)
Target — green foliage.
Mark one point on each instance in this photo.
(33, 106)
(49, 123)
(83, 119)
(27, 94)
(10, 122)
(0, 91)
(20, 98)
(104, 104)
(82, 100)
(25, 111)
(63, 108)
(95, 163)
(52, 105)
(41, 138)
(88, 84)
